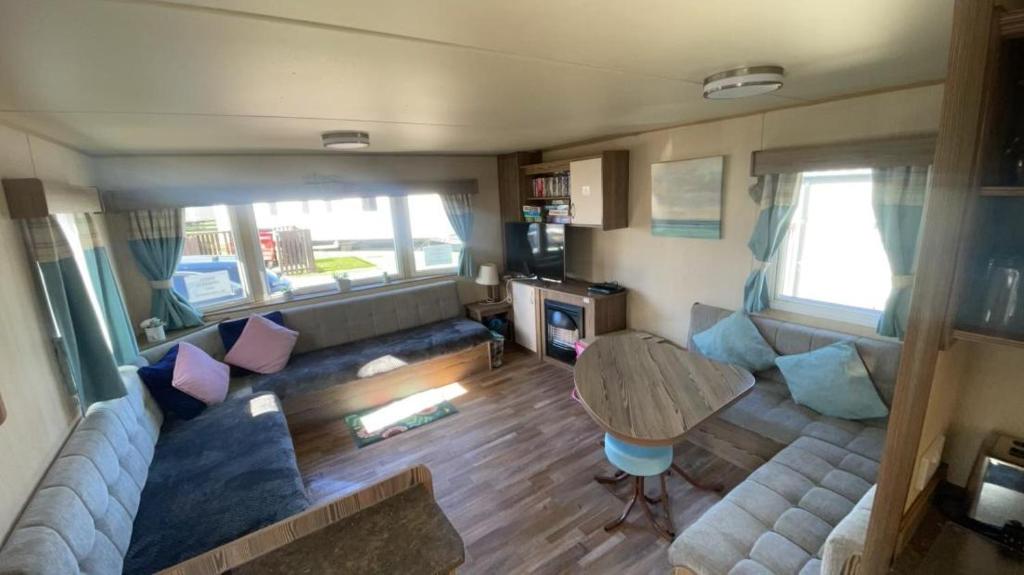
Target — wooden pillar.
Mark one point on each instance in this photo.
(955, 176)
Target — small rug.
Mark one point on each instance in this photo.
(362, 438)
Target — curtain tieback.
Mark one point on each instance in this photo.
(160, 284)
(904, 281)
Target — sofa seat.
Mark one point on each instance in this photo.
(777, 521)
(232, 470)
(321, 369)
(769, 411)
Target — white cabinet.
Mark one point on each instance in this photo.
(524, 314)
(586, 193)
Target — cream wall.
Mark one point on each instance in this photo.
(667, 275)
(39, 412)
(156, 176)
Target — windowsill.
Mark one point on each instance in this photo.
(820, 322)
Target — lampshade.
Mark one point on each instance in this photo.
(488, 275)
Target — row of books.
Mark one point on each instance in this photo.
(551, 186)
(554, 213)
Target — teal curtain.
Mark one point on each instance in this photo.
(898, 196)
(157, 242)
(776, 194)
(106, 288)
(89, 366)
(459, 209)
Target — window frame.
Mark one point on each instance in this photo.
(243, 269)
(810, 307)
(242, 219)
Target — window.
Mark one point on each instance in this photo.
(258, 252)
(210, 273)
(832, 263)
(305, 244)
(436, 247)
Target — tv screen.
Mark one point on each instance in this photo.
(535, 250)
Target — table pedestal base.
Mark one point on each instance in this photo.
(640, 496)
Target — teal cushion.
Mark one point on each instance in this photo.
(832, 380)
(736, 340)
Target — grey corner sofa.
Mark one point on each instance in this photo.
(804, 511)
(364, 351)
(131, 493)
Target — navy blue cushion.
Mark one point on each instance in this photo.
(158, 378)
(223, 475)
(230, 331)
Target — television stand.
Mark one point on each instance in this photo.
(549, 317)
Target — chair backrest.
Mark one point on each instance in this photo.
(336, 322)
(881, 357)
(80, 518)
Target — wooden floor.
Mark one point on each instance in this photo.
(513, 471)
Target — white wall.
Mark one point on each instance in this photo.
(153, 177)
(39, 412)
(667, 275)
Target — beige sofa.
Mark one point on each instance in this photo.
(795, 513)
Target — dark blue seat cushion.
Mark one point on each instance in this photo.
(158, 378)
(324, 368)
(213, 479)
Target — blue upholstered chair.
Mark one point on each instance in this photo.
(640, 462)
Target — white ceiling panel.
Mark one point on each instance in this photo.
(429, 76)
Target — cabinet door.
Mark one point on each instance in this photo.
(586, 193)
(524, 314)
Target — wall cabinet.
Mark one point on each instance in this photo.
(597, 193)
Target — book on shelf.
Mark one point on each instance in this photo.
(556, 186)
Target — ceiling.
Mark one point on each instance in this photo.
(430, 76)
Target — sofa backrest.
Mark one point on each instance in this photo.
(80, 518)
(881, 357)
(342, 321)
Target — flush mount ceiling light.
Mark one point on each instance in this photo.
(345, 140)
(743, 82)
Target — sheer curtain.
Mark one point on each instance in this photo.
(157, 242)
(79, 334)
(459, 209)
(898, 195)
(776, 194)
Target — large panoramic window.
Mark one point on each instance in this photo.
(210, 273)
(832, 262)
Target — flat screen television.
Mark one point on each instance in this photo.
(536, 250)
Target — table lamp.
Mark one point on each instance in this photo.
(488, 276)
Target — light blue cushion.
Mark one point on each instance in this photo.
(639, 460)
(736, 340)
(832, 380)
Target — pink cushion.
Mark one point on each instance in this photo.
(263, 347)
(199, 375)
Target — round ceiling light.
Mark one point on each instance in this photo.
(345, 140)
(743, 82)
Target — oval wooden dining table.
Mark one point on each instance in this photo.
(646, 391)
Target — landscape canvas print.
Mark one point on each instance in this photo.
(686, 198)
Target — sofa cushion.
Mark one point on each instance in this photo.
(263, 347)
(769, 410)
(231, 330)
(779, 518)
(222, 475)
(832, 380)
(80, 518)
(159, 379)
(327, 367)
(736, 340)
(199, 375)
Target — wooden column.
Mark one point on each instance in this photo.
(969, 78)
